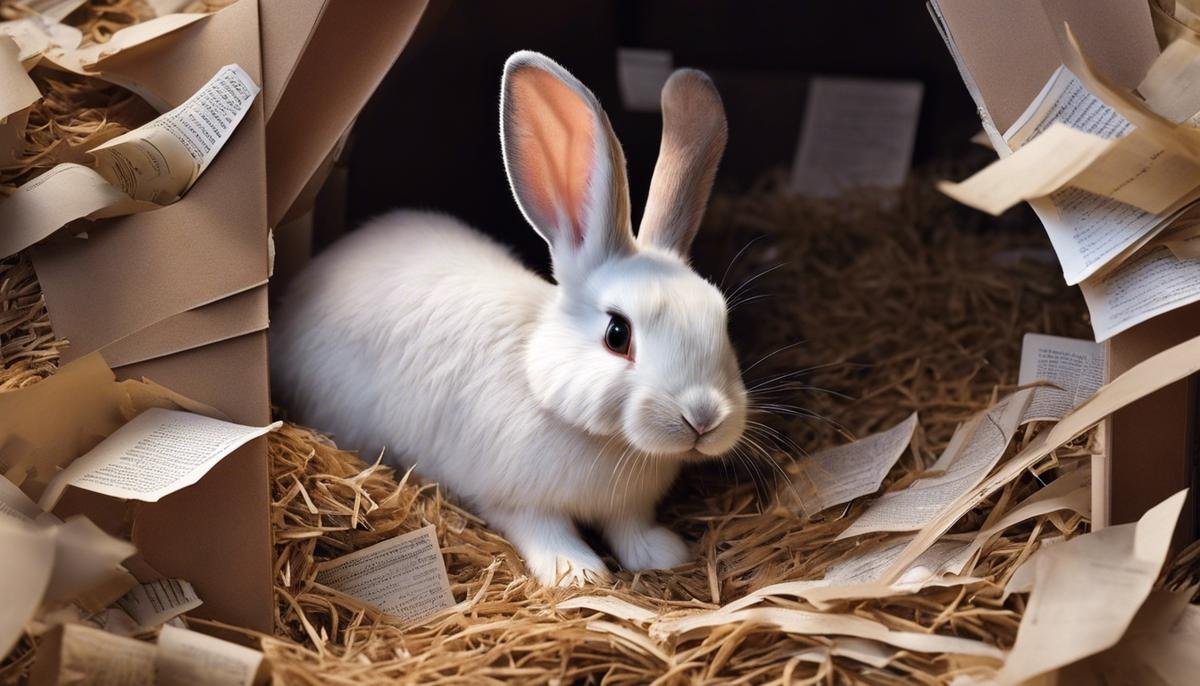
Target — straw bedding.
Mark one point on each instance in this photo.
(849, 314)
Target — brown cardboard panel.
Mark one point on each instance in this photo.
(287, 28)
(135, 271)
(217, 533)
(237, 315)
(1150, 451)
(346, 58)
(1010, 48)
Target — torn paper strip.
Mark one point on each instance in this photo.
(403, 576)
(838, 475)
(1072, 364)
(87, 565)
(156, 454)
(25, 567)
(74, 654)
(857, 133)
(17, 90)
(1087, 590)
(1171, 86)
(188, 657)
(152, 604)
(1148, 376)
(85, 60)
(1153, 282)
(36, 34)
(1088, 230)
(809, 623)
(14, 504)
(141, 170)
(975, 454)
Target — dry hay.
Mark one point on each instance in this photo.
(899, 309)
(865, 309)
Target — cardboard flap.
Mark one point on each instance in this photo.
(1011, 48)
(237, 315)
(345, 59)
(287, 27)
(217, 533)
(134, 271)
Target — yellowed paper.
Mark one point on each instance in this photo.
(809, 623)
(609, 605)
(14, 504)
(74, 654)
(138, 171)
(25, 568)
(1162, 369)
(154, 603)
(87, 565)
(47, 424)
(55, 10)
(1040, 167)
(156, 454)
(86, 60)
(1145, 286)
(838, 475)
(403, 576)
(1087, 590)
(966, 462)
(1171, 87)
(36, 34)
(188, 657)
(1074, 365)
(1089, 231)
(17, 90)
(861, 650)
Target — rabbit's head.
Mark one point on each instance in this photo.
(634, 343)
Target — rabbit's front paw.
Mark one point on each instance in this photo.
(565, 568)
(550, 544)
(645, 545)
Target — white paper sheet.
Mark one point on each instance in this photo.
(966, 462)
(1072, 364)
(857, 133)
(1151, 283)
(840, 474)
(1087, 230)
(152, 604)
(141, 170)
(156, 454)
(25, 567)
(641, 74)
(1087, 590)
(403, 576)
(188, 657)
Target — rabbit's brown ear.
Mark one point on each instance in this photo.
(694, 135)
(564, 164)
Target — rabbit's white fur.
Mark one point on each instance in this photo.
(420, 336)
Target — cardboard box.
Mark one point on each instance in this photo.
(178, 295)
(1005, 53)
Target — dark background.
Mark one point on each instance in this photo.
(433, 124)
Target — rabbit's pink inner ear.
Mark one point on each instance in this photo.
(553, 151)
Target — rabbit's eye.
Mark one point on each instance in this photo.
(618, 335)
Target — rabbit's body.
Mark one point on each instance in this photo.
(377, 347)
(540, 405)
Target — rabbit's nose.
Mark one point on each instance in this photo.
(701, 426)
(702, 410)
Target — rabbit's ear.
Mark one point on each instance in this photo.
(565, 165)
(694, 135)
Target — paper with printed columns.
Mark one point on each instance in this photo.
(403, 576)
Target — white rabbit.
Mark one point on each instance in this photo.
(540, 405)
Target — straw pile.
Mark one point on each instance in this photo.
(849, 314)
